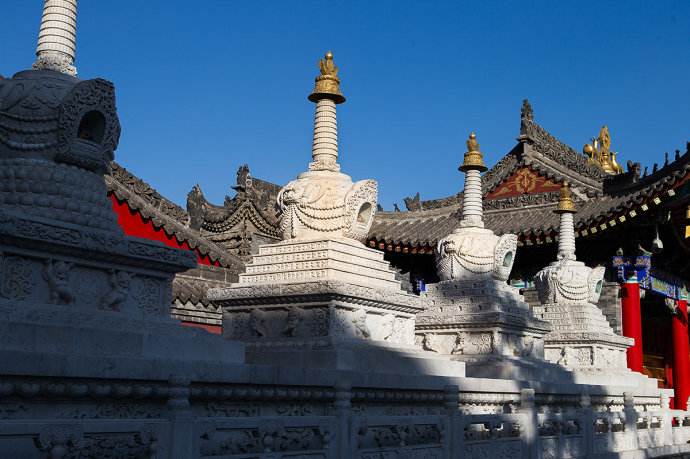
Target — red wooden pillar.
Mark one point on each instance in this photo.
(632, 320)
(681, 357)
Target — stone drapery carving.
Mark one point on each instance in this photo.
(475, 253)
(327, 205)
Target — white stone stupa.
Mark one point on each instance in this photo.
(472, 314)
(320, 297)
(582, 339)
(76, 294)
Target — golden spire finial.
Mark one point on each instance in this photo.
(565, 203)
(327, 83)
(473, 157)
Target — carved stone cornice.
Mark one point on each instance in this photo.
(106, 246)
(315, 292)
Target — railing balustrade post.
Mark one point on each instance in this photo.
(343, 410)
(529, 431)
(587, 416)
(452, 402)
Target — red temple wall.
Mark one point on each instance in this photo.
(215, 329)
(135, 225)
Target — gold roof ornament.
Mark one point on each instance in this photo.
(565, 203)
(599, 152)
(327, 83)
(473, 157)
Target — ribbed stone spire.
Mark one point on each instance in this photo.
(473, 166)
(57, 38)
(566, 230)
(326, 94)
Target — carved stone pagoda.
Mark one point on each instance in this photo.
(581, 340)
(75, 292)
(320, 297)
(472, 314)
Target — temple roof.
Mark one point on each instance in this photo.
(165, 214)
(531, 216)
(190, 302)
(602, 200)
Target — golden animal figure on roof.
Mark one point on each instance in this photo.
(599, 152)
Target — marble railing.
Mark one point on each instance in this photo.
(178, 420)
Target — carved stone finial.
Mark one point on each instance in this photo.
(526, 112)
(565, 203)
(57, 38)
(327, 83)
(473, 157)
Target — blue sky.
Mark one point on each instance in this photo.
(204, 87)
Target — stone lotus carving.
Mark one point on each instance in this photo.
(569, 281)
(475, 252)
(320, 204)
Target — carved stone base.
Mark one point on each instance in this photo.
(365, 357)
(316, 302)
(486, 324)
(583, 342)
(70, 291)
(328, 324)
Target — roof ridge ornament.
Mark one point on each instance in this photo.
(526, 112)
(599, 152)
(57, 37)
